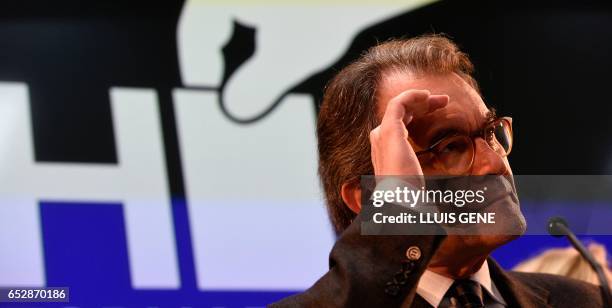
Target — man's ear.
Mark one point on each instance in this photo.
(351, 195)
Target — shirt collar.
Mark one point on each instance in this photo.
(432, 286)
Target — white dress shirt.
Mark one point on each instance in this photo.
(432, 287)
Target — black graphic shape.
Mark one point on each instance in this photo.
(545, 64)
(236, 52)
(238, 49)
(71, 52)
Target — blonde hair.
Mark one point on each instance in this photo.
(567, 262)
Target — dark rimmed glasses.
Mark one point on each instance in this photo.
(454, 154)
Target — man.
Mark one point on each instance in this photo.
(394, 103)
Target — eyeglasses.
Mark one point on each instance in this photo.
(454, 154)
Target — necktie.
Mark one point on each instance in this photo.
(467, 293)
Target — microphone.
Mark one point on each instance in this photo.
(558, 227)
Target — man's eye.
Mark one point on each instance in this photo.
(457, 146)
(449, 148)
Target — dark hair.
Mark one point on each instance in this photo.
(348, 111)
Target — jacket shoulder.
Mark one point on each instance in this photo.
(563, 290)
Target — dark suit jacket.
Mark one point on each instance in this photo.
(373, 271)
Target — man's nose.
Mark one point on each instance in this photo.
(486, 160)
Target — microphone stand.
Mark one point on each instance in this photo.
(558, 227)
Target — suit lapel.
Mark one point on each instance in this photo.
(516, 293)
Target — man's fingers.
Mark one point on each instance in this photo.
(392, 154)
(437, 102)
(403, 103)
(433, 103)
(409, 104)
(415, 102)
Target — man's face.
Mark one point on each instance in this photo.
(465, 113)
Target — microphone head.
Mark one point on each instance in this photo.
(557, 226)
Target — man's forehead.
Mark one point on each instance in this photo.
(459, 108)
(394, 83)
